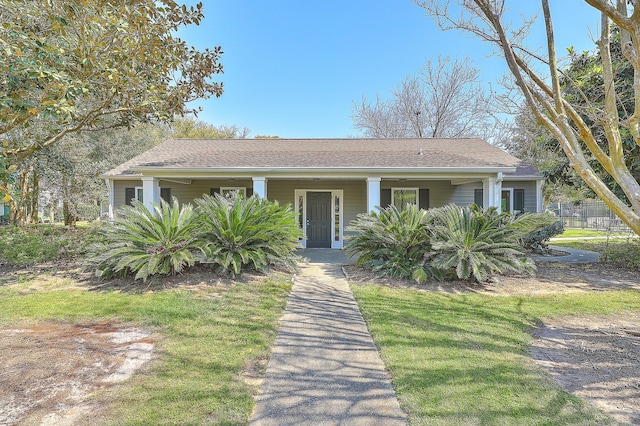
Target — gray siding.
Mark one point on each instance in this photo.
(198, 188)
(118, 189)
(355, 193)
(462, 195)
(441, 192)
(529, 187)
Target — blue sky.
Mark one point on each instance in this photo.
(293, 68)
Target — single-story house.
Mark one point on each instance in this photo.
(330, 181)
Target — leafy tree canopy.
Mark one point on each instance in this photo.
(191, 128)
(582, 84)
(88, 64)
(558, 109)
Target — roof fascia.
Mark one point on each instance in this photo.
(527, 177)
(273, 172)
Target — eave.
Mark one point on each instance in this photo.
(314, 172)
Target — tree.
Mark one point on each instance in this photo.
(552, 106)
(444, 99)
(191, 128)
(69, 172)
(534, 143)
(72, 65)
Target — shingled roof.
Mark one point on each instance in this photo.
(189, 154)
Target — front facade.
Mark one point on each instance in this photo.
(328, 182)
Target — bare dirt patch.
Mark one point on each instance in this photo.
(68, 275)
(49, 370)
(597, 358)
(550, 278)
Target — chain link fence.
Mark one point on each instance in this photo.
(588, 215)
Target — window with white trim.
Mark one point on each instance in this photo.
(401, 197)
(134, 193)
(231, 191)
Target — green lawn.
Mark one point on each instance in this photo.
(462, 359)
(579, 233)
(204, 343)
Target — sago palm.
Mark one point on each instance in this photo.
(252, 233)
(477, 244)
(393, 242)
(162, 241)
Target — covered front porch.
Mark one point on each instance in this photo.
(325, 205)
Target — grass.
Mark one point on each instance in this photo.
(204, 343)
(462, 359)
(618, 252)
(580, 233)
(31, 244)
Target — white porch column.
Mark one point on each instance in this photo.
(492, 192)
(260, 187)
(112, 203)
(539, 186)
(373, 194)
(150, 191)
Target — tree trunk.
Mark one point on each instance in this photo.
(24, 206)
(32, 198)
(70, 218)
(68, 210)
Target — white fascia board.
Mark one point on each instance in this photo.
(337, 172)
(136, 176)
(529, 177)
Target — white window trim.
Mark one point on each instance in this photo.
(339, 192)
(138, 190)
(394, 189)
(241, 189)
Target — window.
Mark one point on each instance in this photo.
(400, 197)
(336, 217)
(300, 210)
(131, 194)
(165, 194)
(518, 200)
(478, 197)
(506, 200)
(231, 191)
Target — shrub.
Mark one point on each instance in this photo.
(252, 233)
(476, 243)
(536, 240)
(31, 244)
(146, 242)
(621, 254)
(393, 242)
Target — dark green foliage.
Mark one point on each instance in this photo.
(468, 242)
(148, 243)
(28, 245)
(248, 233)
(476, 243)
(394, 243)
(623, 255)
(536, 241)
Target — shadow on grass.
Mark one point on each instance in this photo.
(462, 359)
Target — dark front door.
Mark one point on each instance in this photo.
(318, 220)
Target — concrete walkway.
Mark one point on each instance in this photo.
(325, 368)
(573, 256)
